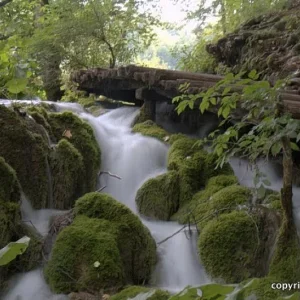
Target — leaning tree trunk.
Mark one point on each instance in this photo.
(287, 188)
(51, 74)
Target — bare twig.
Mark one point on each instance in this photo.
(101, 189)
(110, 174)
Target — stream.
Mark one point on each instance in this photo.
(135, 158)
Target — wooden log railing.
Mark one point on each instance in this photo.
(165, 83)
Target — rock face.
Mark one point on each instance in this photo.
(269, 43)
(106, 247)
(35, 146)
(11, 226)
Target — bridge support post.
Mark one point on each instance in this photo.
(150, 109)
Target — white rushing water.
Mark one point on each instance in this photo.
(136, 158)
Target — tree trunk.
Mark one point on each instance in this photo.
(287, 188)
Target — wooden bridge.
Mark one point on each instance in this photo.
(141, 85)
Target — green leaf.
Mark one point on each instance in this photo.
(294, 146)
(213, 100)
(253, 75)
(276, 148)
(226, 91)
(261, 192)
(226, 111)
(16, 85)
(12, 250)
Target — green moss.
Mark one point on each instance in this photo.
(25, 149)
(67, 172)
(285, 265)
(189, 212)
(195, 166)
(142, 117)
(77, 248)
(149, 128)
(158, 198)
(83, 140)
(137, 247)
(175, 137)
(227, 246)
(9, 185)
(9, 218)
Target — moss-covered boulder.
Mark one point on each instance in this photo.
(24, 147)
(285, 265)
(192, 210)
(149, 128)
(132, 292)
(9, 184)
(195, 166)
(87, 252)
(227, 246)
(83, 139)
(142, 116)
(67, 174)
(158, 198)
(108, 233)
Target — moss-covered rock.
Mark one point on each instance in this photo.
(24, 147)
(138, 291)
(285, 265)
(83, 140)
(77, 248)
(195, 166)
(9, 184)
(149, 128)
(107, 232)
(189, 211)
(142, 116)
(137, 247)
(67, 173)
(227, 247)
(158, 198)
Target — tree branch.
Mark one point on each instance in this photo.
(110, 174)
(101, 189)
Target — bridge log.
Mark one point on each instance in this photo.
(135, 83)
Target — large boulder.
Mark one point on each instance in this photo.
(106, 247)
(194, 165)
(227, 247)
(67, 172)
(83, 139)
(158, 198)
(24, 147)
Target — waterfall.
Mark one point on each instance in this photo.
(136, 158)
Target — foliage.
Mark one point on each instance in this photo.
(13, 249)
(141, 291)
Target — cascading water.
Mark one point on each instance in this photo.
(135, 159)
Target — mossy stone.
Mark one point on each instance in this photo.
(9, 184)
(77, 248)
(149, 128)
(24, 147)
(227, 246)
(67, 173)
(147, 293)
(158, 198)
(137, 247)
(83, 140)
